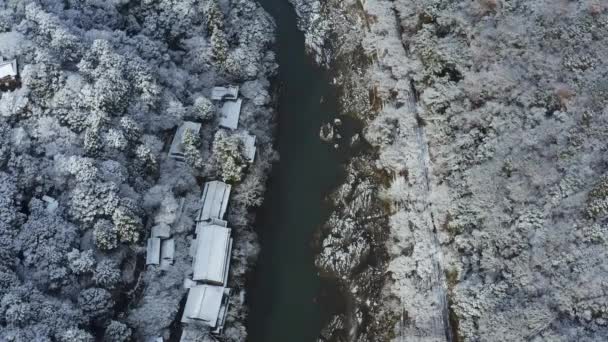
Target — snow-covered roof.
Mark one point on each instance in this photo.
(8, 69)
(212, 257)
(214, 200)
(51, 203)
(153, 251)
(225, 93)
(161, 230)
(229, 114)
(207, 304)
(213, 222)
(167, 252)
(176, 151)
(248, 140)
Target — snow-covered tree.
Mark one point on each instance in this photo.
(106, 235)
(191, 147)
(203, 109)
(228, 154)
(95, 302)
(107, 274)
(117, 332)
(81, 262)
(127, 224)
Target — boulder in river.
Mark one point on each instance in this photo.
(326, 133)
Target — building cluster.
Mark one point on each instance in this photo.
(230, 112)
(208, 295)
(161, 247)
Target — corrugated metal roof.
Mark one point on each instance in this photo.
(214, 200)
(229, 114)
(212, 257)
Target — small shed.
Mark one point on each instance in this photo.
(230, 113)
(161, 230)
(212, 256)
(225, 93)
(214, 200)
(248, 140)
(9, 75)
(176, 151)
(153, 251)
(167, 252)
(207, 304)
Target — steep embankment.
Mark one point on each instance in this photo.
(488, 117)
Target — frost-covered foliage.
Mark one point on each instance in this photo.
(107, 274)
(81, 262)
(488, 120)
(228, 154)
(106, 236)
(117, 332)
(203, 109)
(95, 302)
(191, 146)
(103, 85)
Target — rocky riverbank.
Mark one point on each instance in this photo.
(479, 212)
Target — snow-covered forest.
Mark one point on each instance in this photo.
(480, 212)
(84, 170)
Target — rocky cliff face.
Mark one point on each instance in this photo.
(480, 213)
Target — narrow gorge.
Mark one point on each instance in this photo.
(303, 170)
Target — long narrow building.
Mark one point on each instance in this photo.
(212, 255)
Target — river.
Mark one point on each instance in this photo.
(288, 301)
